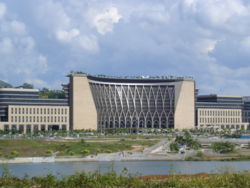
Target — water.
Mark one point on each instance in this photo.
(139, 167)
(245, 137)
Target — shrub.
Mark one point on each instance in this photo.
(200, 154)
(49, 151)
(174, 147)
(108, 151)
(222, 147)
(72, 153)
(14, 154)
(83, 141)
(85, 152)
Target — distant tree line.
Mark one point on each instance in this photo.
(45, 93)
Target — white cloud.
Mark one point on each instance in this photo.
(67, 36)
(2, 10)
(6, 46)
(206, 39)
(18, 27)
(89, 43)
(104, 21)
(20, 58)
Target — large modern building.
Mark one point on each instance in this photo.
(22, 110)
(218, 111)
(99, 102)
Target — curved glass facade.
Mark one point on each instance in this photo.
(131, 105)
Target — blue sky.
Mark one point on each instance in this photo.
(41, 41)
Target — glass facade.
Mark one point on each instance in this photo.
(134, 106)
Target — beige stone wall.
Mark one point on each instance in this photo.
(184, 104)
(220, 118)
(83, 114)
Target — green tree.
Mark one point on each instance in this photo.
(174, 147)
(222, 147)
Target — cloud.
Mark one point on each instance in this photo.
(104, 21)
(2, 10)
(17, 27)
(208, 40)
(67, 36)
(20, 60)
(6, 46)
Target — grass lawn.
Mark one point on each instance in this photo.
(41, 147)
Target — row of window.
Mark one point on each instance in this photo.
(219, 113)
(35, 127)
(220, 120)
(38, 119)
(227, 126)
(39, 111)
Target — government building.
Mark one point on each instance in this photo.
(104, 103)
(100, 102)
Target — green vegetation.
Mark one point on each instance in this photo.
(223, 147)
(4, 84)
(111, 179)
(10, 148)
(186, 140)
(51, 94)
(174, 147)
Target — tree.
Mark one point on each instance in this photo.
(174, 147)
(26, 86)
(85, 152)
(222, 147)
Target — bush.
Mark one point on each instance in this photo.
(85, 152)
(222, 147)
(14, 154)
(49, 151)
(108, 151)
(200, 154)
(174, 147)
(72, 153)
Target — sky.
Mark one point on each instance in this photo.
(42, 41)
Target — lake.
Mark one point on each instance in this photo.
(139, 167)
